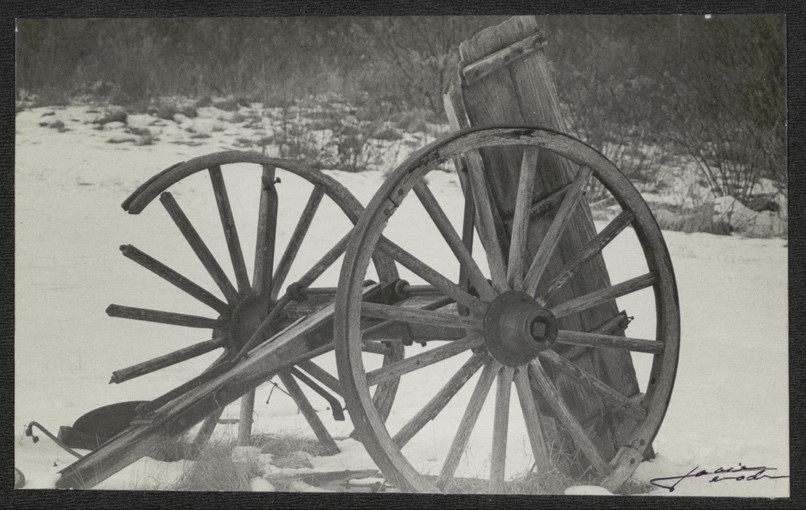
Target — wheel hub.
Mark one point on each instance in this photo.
(517, 329)
(246, 319)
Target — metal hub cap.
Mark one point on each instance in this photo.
(516, 328)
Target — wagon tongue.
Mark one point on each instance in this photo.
(517, 328)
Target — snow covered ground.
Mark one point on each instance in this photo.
(729, 407)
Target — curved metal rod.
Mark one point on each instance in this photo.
(30, 433)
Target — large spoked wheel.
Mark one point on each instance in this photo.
(248, 311)
(512, 327)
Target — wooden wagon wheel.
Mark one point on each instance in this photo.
(243, 312)
(510, 327)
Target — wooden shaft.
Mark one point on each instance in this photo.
(199, 248)
(174, 278)
(467, 423)
(604, 295)
(321, 375)
(295, 242)
(266, 233)
(177, 319)
(440, 400)
(571, 425)
(443, 224)
(557, 227)
(531, 418)
(166, 360)
(500, 428)
(590, 250)
(609, 341)
(583, 377)
(230, 230)
(520, 219)
(309, 413)
(419, 361)
(485, 225)
(419, 316)
(431, 276)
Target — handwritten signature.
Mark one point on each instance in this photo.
(718, 475)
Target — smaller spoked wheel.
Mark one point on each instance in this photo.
(512, 318)
(282, 226)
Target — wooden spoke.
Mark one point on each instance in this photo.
(266, 232)
(419, 316)
(245, 418)
(591, 249)
(321, 375)
(295, 242)
(548, 203)
(178, 319)
(572, 426)
(500, 426)
(419, 361)
(309, 413)
(171, 276)
(608, 341)
(520, 219)
(531, 418)
(325, 262)
(468, 422)
(199, 248)
(230, 231)
(431, 276)
(468, 266)
(590, 381)
(206, 430)
(604, 295)
(440, 400)
(486, 225)
(158, 363)
(557, 227)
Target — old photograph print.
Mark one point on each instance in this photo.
(461, 254)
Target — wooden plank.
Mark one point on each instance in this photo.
(501, 58)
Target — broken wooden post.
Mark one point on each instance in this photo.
(504, 79)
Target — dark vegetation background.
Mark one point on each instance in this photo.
(712, 89)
